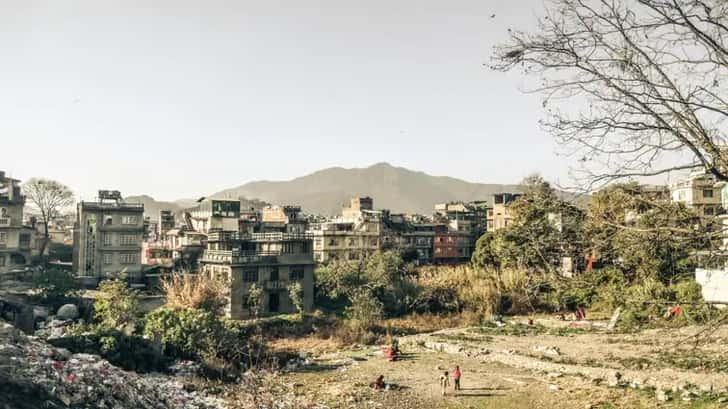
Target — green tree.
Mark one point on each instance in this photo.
(365, 311)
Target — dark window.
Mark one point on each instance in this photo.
(274, 302)
(707, 192)
(297, 273)
(274, 274)
(25, 239)
(250, 276)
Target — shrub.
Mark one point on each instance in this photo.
(130, 352)
(295, 292)
(55, 286)
(365, 311)
(196, 292)
(183, 332)
(118, 306)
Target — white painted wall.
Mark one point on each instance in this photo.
(714, 283)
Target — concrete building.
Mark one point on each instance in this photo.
(414, 239)
(165, 223)
(285, 219)
(108, 237)
(17, 240)
(215, 214)
(271, 261)
(499, 215)
(357, 234)
(452, 246)
(700, 192)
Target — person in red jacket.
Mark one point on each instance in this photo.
(456, 376)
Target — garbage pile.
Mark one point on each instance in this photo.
(45, 376)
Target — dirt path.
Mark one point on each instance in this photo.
(514, 371)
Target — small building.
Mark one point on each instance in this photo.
(17, 240)
(499, 216)
(215, 214)
(698, 191)
(272, 261)
(108, 237)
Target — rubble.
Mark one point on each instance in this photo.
(56, 378)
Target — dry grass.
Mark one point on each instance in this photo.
(195, 291)
(419, 323)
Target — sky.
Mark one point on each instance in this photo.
(179, 99)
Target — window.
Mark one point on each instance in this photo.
(108, 220)
(332, 242)
(3, 237)
(128, 258)
(274, 274)
(297, 273)
(129, 220)
(707, 192)
(108, 258)
(709, 211)
(250, 276)
(2, 260)
(24, 240)
(108, 237)
(128, 239)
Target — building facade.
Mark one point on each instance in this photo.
(499, 216)
(17, 240)
(271, 261)
(357, 234)
(108, 237)
(698, 191)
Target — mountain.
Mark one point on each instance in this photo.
(152, 207)
(394, 188)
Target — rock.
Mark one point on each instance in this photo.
(661, 395)
(554, 375)
(67, 312)
(688, 396)
(553, 388)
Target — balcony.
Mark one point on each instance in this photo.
(238, 257)
(263, 237)
(4, 221)
(275, 285)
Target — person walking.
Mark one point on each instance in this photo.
(444, 382)
(456, 376)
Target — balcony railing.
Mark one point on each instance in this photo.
(4, 221)
(273, 236)
(275, 285)
(238, 257)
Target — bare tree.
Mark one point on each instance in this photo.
(631, 87)
(49, 198)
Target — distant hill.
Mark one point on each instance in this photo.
(152, 207)
(394, 188)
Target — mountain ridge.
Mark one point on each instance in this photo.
(396, 188)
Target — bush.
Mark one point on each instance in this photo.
(184, 333)
(130, 352)
(195, 292)
(118, 306)
(365, 311)
(55, 287)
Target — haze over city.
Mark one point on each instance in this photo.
(121, 95)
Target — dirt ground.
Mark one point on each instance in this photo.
(547, 365)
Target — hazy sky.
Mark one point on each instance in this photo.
(180, 98)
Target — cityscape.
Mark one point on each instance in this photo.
(332, 204)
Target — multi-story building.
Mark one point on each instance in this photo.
(499, 216)
(285, 219)
(108, 237)
(700, 192)
(215, 214)
(16, 238)
(272, 261)
(165, 223)
(357, 234)
(452, 246)
(414, 239)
